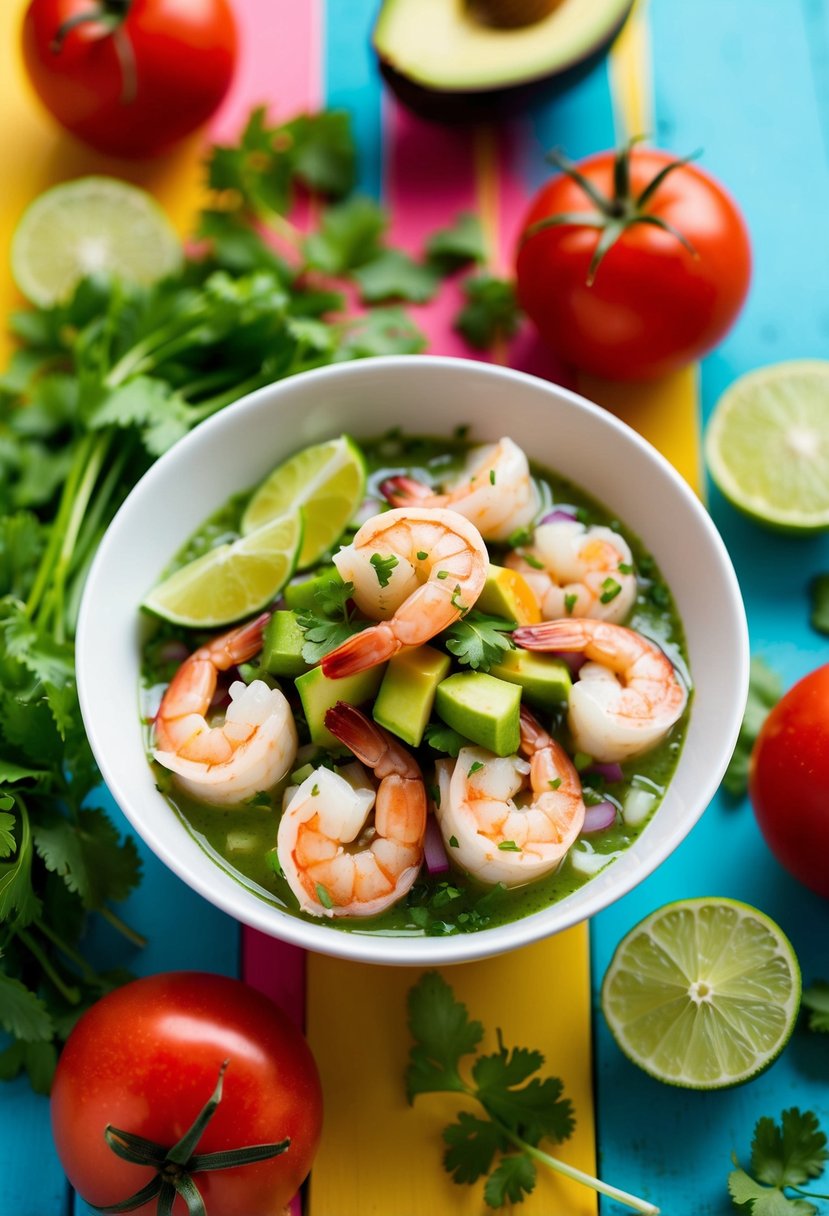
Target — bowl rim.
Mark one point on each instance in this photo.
(375, 948)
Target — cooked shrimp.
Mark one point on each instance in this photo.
(493, 836)
(628, 694)
(255, 745)
(415, 571)
(340, 860)
(578, 571)
(494, 490)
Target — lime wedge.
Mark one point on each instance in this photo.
(327, 480)
(233, 580)
(767, 445)
(93, 225)
(702, 993)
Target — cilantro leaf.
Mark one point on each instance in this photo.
(383, 567)
(7, 840)
(819, 591)
(393, 275)
(443, 1033)
(511, 1182)
(323, 155)
(462, 242)
(444, 739)
(764, 691)
(763, 1200)
(473, 1143)
(38, 1059)
(323, 636)
(22, 1012)
(490, 312)
(816, 1000)
(382, 331)
(791, 1153)
(89, 855)
(348, 236)
(533, 1111)
(17, 895)
(478, 641)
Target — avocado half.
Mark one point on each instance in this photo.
(448, 64)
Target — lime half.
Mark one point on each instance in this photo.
(703, 993)
(767, 445)
(233, 580)
(93, 225)
(327, 480)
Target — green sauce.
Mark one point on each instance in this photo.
(241, 840)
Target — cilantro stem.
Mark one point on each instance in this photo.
(807, 1194)
(69, 993)
(570, 1171)
(43, 577)
(73, 527)
(123, 928)
(213, 404)
(87, 972)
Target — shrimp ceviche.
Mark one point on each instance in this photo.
(459, 705)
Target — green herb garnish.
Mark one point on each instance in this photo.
(490, 313)
(444, 739)
(383, 567)
(478, 640)
(475, 767)
(610, 589)
(453, 842)
(784, 1155)
(509, 846)
(323, 896)
(422, 555)
(517, 1108)
(570, 602)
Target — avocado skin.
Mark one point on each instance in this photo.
(492, 105)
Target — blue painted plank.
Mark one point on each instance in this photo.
(713, 66)
(352, 82)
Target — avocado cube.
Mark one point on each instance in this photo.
(482, 708)
(318, 693)
(507, 593)
(407, 693)
(301, 596)
(545, 681)
(282, 645)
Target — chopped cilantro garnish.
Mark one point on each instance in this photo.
(444, 739)
(610, 589)
(533, 561)
(625, 568)
(453, 842)
(475, 767)
(315, 790)
(521, 536)
(554, 783)
(456, 600)
(492, 477)
(509, 846)
(478, 641)
(570, 602)
(383, 567)
(434, 794)
(422, 555)
(443, 573)
(581, 760)
(324, 897)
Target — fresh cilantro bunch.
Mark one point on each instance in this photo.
(518, 1108)
(784, 1155)
(99, 387)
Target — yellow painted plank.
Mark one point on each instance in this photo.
(381, 1157)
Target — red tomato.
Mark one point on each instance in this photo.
(130, 84)
(654, 305)
(789, 780)
(146, 1059)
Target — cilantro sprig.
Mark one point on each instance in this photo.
(478, 640)
(764, 691)
(332, 624)
(515, 1108)
(816, 999)
(784, 1155)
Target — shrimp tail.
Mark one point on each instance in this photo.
(404, 491)
(360, 735)
(551, 636)
(533, 735)
(240, 644)
(366, 649)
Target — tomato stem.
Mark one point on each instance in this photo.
(175, 1166)
(107, 13)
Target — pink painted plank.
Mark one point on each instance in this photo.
(277, 969)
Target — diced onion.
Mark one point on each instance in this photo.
(610, 772)
(574, 660)
(434, 852)
(559, 515)
(598, 818)
(173, 651)
(637, 806)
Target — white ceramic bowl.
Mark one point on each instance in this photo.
(233, 450)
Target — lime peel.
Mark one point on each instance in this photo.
(703, 993)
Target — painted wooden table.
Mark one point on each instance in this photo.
(748, 81)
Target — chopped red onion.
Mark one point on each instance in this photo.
(610, 772)
(598, 818)
(559, 515)
(173, 651)
(434, 852)
(574, 660)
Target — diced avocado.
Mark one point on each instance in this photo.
(318, 693)
(482, 708)
(546, 681)
(282, 645)
(507, 593)
(407, 693)
(301, 596)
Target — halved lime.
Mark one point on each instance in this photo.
(233, 580)
(703, 993)
(88, 226)
(327, 480)
(767, 445)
